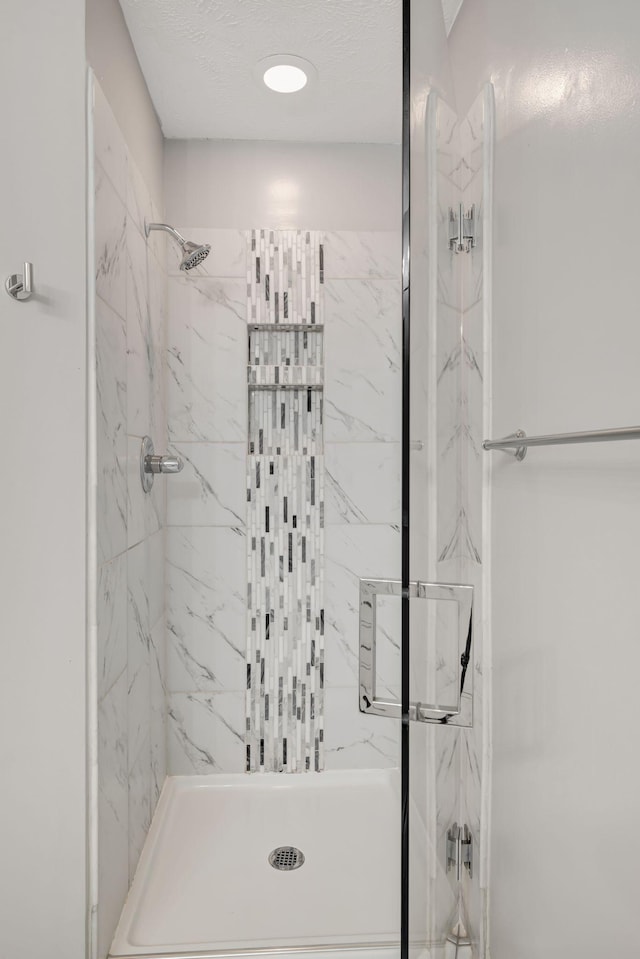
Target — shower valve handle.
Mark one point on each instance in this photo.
(162, 464)
(151, 464)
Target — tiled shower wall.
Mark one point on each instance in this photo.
(206, 509)
(130, 314)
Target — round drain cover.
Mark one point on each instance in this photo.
(286, 858)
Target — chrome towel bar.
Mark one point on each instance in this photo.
(517, 443)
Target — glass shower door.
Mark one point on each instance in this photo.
(436, 598)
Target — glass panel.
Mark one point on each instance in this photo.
(436, 489)
(450, 208)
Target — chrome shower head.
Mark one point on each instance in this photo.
(194, 253)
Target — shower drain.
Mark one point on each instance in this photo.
(286, 858)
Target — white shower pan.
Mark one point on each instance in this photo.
(204, 883)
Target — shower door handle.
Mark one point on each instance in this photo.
(458, 713)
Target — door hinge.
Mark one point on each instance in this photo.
(459, 850)
(462, 229)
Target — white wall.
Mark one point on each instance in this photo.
(241, 184)
(43, 422)
(566, 522)
(112, 56)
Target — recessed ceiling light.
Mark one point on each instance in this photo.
(285, 73)
(285, 78)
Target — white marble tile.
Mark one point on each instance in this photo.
(146, 512)
(140, 789)
(363, 391)
(211, 489)
(139, 649)
(227, 258)
(113, 811)
(142, 206)
(139, 204)
(353, 552)
(112, 622)
(111, 360)
(109, 146)
(206, 733)
(360, 255)
(144, 359)
(158, 314)
(158, 701)
(354, 740)
(110, 243)
(154, 575)
(206, 614)
(362, 483)
(138, 505)
(207, 357)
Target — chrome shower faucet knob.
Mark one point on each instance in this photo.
(151, 463)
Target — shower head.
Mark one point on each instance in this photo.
(193, 253)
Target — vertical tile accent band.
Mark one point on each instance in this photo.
(285, 502)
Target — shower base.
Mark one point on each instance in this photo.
(204, 883)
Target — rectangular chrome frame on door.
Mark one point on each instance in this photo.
(462, 714)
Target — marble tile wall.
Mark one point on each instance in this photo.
(363, 480)
(130, 333)
(206, 509)
(206, 555)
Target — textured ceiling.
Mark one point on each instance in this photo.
(199, 57)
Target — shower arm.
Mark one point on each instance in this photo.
(148, 227)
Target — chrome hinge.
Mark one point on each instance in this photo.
(459, 850)
(462, 229)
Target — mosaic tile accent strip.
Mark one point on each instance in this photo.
(285, 376)
(290, 348)
(285, 423)
(285, 504)
(284, 275)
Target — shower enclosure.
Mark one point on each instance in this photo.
(290, 740)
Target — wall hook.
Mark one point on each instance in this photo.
(19, 286)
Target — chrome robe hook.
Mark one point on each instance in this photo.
(19, 286)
